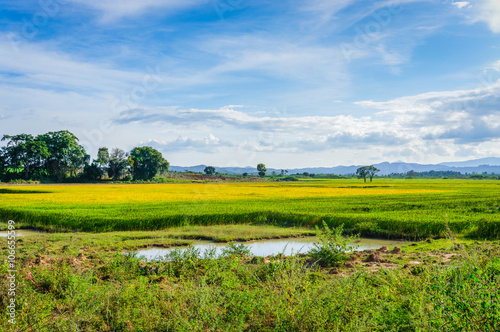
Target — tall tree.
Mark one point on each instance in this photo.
(147, 162)
(102, 157)
(209, 170)
(117, 163)
(24, 153)
(362, 172)
(372, 170)
(262, 170)
(367, 171)
(65, 154)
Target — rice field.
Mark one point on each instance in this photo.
(385, 208)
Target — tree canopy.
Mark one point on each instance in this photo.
(262, 170)
(117, 163)
(147, 162)
(49, 155)
(367, 171)
(65, 154)
(58, 156)
(209, 170)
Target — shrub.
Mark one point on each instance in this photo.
(289, 178)
(332, 246)
(236, 249)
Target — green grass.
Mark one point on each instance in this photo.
(91, 289)
(381, 208)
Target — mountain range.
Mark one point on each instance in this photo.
(489, 165)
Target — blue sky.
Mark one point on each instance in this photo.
(238, 82)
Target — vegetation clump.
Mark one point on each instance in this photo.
(331, 249)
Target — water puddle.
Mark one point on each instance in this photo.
(20, 232)
(265, 248)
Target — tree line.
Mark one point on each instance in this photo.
(58, 156)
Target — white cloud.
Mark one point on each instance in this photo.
(242, 121)
(496, 65)
(488, 11)
(461, 4)
(463, 115)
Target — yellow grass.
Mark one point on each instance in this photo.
(140, 193)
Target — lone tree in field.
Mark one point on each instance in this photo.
(146, 162)
(367, 171)
(262, 170)
(209, 170)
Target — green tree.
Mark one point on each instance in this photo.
(24, 153)
(209, 170)
(362, 172)
(92, 172)
(262, 170)
(147, 162)
(65, 154)
(367, 171)
(117, 163)
(411, 174)
(102, 157)
(372, 170)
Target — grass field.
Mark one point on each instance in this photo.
(385, 208)
(83, 281)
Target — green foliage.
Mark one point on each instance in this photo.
(367, 171)
(117, 163)
(209, 170)
(117, 292)
(92, 172)
(26, 153)
(103, 157)
(147, 162)
(467, 298)
(331, 249)
(261, 168)
(236, 249)
(65, 154)
(288, 178)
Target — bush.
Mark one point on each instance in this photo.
(289, 178)
(236, 249)
(332, 246)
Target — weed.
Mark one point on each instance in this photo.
(332, 246)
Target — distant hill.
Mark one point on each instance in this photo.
(489, 165)
(475, 163)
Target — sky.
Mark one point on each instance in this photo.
(239, 82)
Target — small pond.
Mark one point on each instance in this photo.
(290, 246)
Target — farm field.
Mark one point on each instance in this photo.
(411, 209)
(84, 275)
(84, 282)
